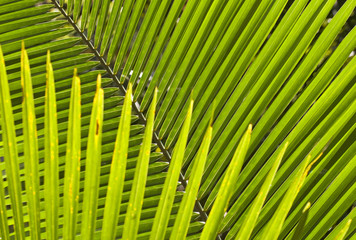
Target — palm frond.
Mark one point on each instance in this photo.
(286, 67)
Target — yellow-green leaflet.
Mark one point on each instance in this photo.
(185, 212)
(72, 168)
(51, 155)
(343, 231)
(226, 189)
(298, 233)
(134, 208)
(117, 171)
(169, 190)
(273, 228)
(10, 150)
(79, 160)
(251, 218)
(93, 164)
(4, 228)
(31, 146)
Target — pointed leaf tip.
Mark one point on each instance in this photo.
(191, 106)
(298, 232)
(48, 56)
(98, 82)
(342, 234)
(307, 206)
(129, 87)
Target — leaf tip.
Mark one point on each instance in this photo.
(154, 100)
(190, 109)
(48, 56)
(129, 87)
(307, 206)
(22, 45)
(249, 129)
(98, 82)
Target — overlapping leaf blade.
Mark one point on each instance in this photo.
(31, 146)
(51, 155)
(117, 171)
(258, 82)
(133, 213)
(72, 166)
(211, 228)
(92, 164)
(10, 151)
(167, 196)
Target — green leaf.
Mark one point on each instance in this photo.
(70, 4)
(153, 58)
(85, 14)
(51, 178)
(101, 21)
(77, 8)
(31, 146)
(148, 30)
(127, 7)
(181, 224)
(273, 228)
(251, 218)
(134, 19)
(92, 164)
(341, 225)
(222, 200)
(93, 18)
(4, 227)
(72, 166)
(115, 12)
(286, 67)
(133, 212)
(344, 230)
(166, 200)
(298, 233)
(180, 40)
(117, 172)
(10, 149)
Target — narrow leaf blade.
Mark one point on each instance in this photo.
(251, 218)
(275, 225)
(31, 146)
(133, 212)
(93, 164)
(10, 149)
(166, 200)
(185, 211)
(72, 168)
(226, 189)
(117, 171)
(51, 155)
